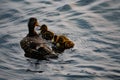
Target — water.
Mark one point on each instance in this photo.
(93, 25)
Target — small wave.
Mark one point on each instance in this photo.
(64, 8)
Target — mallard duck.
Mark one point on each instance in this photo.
(61, 43)
(46, 34)
(33, 45)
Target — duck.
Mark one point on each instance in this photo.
(46, 34)
(61, 43)
(33, 45)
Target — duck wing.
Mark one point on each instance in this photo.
(35, 47)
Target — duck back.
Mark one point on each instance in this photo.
(36, 47)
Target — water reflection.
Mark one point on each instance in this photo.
(92, 25)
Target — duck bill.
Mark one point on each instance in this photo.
(37, 24)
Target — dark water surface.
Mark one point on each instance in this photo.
(93, 25)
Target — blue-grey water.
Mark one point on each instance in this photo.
(93, 25)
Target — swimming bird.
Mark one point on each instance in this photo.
(33, 45)
(59, 38)
(61, 43)
(46, 34)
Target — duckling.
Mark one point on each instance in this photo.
(64, 41)
(56, 48)
(46, 34)
(59, 38)
(68, 44)
(61, 43)
(33, 45)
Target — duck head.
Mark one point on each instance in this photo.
(32, 23)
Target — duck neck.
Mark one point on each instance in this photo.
(32, 32)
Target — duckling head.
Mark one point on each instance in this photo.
(48, 35)
(60, 42)
(44, 28)
(61, 39)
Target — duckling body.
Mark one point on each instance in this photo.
(33, 45)
(68, 44)
(59, 38)
(61, 43)
(46, 34)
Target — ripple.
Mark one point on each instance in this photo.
(16, 0)
(72, 14)
(92, 25)
(83, 24)
(77, 76)
(4, 67)
(105, 42)
(84, 2)
(113, 16)
(57, 0)
(52, 14)
(116, 71)
(100, 6)
(64, 8)
(2, 79)
(114, 77)
(5, 16)
(46, 2)
(98, 68)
